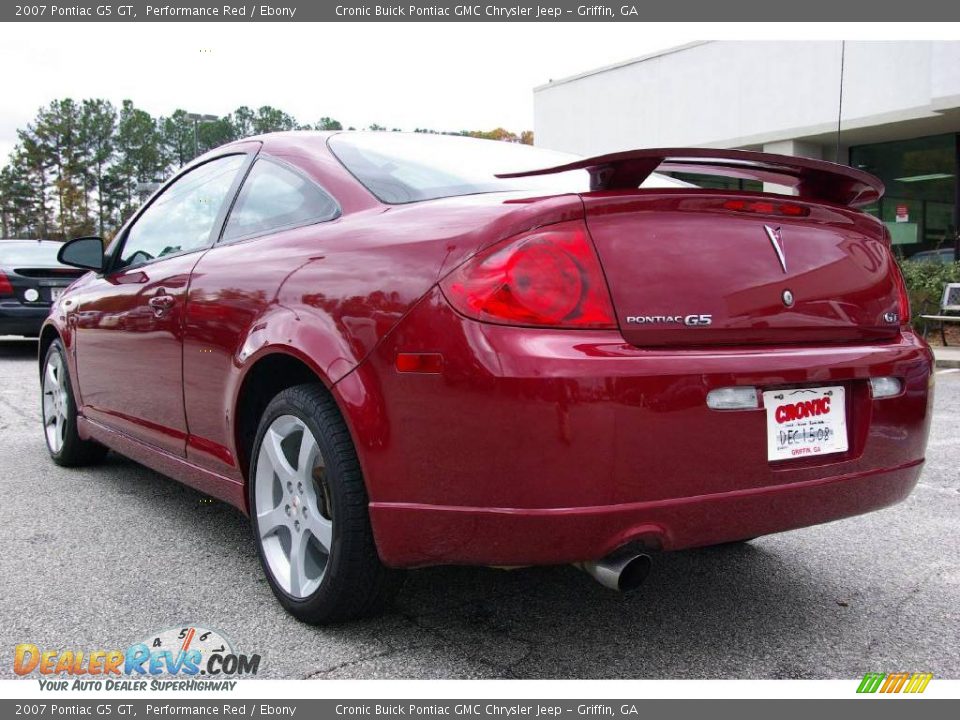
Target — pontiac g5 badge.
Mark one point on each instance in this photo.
(692, 320)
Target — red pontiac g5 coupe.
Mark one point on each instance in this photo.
(401, 350)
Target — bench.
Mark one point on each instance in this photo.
(949, 304)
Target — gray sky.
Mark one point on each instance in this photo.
(447, 76)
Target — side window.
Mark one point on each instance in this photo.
(182, 218)
(275, 197)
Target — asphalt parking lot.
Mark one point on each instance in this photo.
(100, 557)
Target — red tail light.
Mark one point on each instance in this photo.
(903, 296)
(767, 208)
(5, 287)
(549, 277)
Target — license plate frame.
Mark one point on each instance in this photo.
(55, 293)
(805, 422)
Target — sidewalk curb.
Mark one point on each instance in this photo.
(946, 358)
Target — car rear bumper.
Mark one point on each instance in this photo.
(539, 446)
(19, 319)
(417, 535)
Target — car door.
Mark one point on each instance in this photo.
(129, 348)
(275, 227)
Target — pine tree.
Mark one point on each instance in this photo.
(98, 124)
(140, 155)
(33, 173)
(177, 139)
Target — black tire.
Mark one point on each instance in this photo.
(354, 584)
(74, 451)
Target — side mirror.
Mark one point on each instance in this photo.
(84, 252)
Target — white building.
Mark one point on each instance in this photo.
(899, 116)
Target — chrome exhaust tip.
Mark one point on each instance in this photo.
(622, 570)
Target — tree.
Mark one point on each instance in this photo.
(98, 122)
(327, 123)
(77, 166)
(495, 134)
(242, 120)
(269, 119)
(22, 200)
(140, 155)
(178, 139)
(53, 146)
(214, 133)
(33, 173)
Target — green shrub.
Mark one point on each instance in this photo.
(925, 281)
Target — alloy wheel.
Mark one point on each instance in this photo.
(55, 402)
(295, 525)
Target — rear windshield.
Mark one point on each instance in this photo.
(29, 252)
(409, 167)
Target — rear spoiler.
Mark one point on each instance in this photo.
(816, 180)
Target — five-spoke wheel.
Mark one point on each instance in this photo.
(296, 530)
(308, 505)
(55, 401)
(59, 410)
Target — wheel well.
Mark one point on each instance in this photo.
(269, 376)
(47, 337)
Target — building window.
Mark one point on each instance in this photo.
(717, 182)
(920, 204)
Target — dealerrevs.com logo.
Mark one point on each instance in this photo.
(183, 658)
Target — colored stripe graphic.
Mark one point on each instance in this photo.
(871, 682)
(918, 682)
(894, 682)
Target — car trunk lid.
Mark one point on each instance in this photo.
(695, 268)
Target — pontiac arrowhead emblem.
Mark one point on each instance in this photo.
(776, 240)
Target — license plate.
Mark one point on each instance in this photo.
(802, 422)
(55, 293)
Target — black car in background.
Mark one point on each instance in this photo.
(30, 280)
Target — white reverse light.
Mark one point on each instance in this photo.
(883, 387)
(733, 398)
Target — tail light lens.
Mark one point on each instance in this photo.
(5, 287)
(765, 207)
(549, 277)
(903, 296)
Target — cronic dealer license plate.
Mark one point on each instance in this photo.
(802, 422)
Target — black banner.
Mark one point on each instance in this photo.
(504, 709)
(510, 11)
